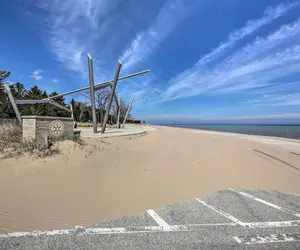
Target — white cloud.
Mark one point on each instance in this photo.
(260, 64)
(37, 74)
(270, 15)
(142, 88)
(73, 28)
(145, 42)
(55, 80)
(276, 100)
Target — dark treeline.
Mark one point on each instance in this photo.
(82, 110)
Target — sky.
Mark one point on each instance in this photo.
(210, 61)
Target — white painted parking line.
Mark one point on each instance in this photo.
(270, 224)
(157, 218)
(266, 202)
(272, 238)
(211, 224)
(81, 231)
(115, 230)
(90, 231)
(295, 194)
(228, 216)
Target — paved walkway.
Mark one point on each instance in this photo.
(113, 132)
(228, 219)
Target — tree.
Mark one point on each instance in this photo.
(101, 99)
(3, 75)
(35, 93)
(5, 110)
(79, 109)
(123, 110)
(18, 90)
(55, 111)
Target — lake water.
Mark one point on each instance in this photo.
(286, 131)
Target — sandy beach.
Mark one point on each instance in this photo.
(113, 177)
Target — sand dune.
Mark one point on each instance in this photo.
(113, 177)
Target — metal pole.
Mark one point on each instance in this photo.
(128, 110)
(59, 106)
(112, 93)
(71, 108)
(119, 110)
(91, 75)
(43, 101)
(13, 103)
(99, 85)
(31, 101)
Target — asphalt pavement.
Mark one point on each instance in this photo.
(228, 219)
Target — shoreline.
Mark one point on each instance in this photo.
(208, 129)
(233, 134)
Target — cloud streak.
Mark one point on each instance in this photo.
(276, 100)
(146, 42)
(74, 27)
(263, 63)
(270, 15)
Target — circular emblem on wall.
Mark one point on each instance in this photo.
(57, 128)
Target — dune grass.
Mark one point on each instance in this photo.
(12, 145)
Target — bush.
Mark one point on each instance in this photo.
(10, 136)
(11, 144)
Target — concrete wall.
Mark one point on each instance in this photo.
(38, 127)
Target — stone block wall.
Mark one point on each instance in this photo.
(29, 128)
(39, 127)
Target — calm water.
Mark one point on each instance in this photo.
(287, 131)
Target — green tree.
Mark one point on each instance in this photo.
(35, 93)
(3, 75)
(18, 90)
(5, 109)
(82, 112)
(55, 111)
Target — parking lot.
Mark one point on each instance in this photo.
(228, 219)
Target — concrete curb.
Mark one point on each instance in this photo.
(112, 136)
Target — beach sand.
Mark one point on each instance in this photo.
(110, 178)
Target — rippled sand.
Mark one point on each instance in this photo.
(122, 176)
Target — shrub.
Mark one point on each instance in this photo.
(11, 144)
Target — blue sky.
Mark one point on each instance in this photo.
(210, 60)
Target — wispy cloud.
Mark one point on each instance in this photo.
(73, 28)
(276, 100)
(142, 88)
(37, 74)
(260, 64)
(55, 80)
(270, 15)
(146, 42)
